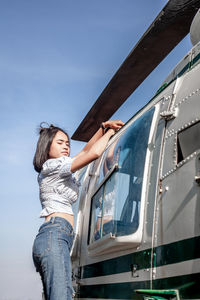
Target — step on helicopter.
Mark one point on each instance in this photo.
(137, 217)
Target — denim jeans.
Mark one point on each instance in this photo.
(51, 256)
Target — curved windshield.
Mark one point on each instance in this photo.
(116, 204)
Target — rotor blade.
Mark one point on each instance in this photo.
(168, 29)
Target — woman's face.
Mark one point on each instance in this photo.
(59, 146)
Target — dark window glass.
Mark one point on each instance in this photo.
(188, 141)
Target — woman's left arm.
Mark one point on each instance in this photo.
(95, 146)
(112, 124)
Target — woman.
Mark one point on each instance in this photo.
(58, 191)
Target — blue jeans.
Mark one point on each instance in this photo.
(51, 256)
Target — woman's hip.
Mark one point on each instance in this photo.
(54, 236)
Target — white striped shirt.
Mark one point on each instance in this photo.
(58, 188)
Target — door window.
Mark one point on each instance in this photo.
(115, 205)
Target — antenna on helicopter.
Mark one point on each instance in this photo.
(167, 30)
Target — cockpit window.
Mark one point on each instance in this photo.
(115, 205)
(188, 141)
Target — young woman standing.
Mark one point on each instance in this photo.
(58, 191)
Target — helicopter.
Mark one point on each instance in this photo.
(137, 216)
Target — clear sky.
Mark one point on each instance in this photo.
(56, 57)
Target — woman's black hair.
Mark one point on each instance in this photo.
(44, 143)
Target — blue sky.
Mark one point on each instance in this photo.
(56, 57)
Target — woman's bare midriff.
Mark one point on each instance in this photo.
(68, 217)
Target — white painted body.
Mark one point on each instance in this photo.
(169, 208)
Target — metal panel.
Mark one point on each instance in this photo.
(189, 140)
(194, 30)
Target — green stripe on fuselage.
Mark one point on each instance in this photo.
(166, 254)
(177, 252)
(119, 264)
(188, 286)
(113, 291)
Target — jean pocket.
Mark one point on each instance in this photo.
(42, 243)
(67, 230)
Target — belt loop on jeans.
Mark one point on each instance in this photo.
(52, 220)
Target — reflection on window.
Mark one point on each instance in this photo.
(116, 204)
(97, 215)
(75, 205)
(188, 141)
